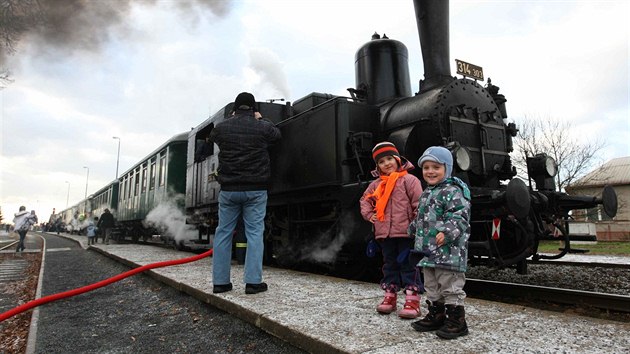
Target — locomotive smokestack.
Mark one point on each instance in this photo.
(432, 21)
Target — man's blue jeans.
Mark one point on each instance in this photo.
(252, 206)
(20, 246)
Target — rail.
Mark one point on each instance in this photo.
(612, 302)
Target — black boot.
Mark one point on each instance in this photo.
(433, 320)
(455, 324)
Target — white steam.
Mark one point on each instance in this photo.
(323, 250)
(325, 247)
(267, 64)
(170, 220)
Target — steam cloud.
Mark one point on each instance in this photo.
(325, 250)
(267, 64)
(73, 25)
(170, 220)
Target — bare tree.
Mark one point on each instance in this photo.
(553, 137)
(16, 18)
(5, 78)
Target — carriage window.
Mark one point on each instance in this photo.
(203, 146)
(152, 172)
(136, 185)
(162, 167)
(144, 178)
(124, 188)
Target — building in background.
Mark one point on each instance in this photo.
(615, 173)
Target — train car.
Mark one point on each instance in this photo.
(159, 177)
(104, 198)
(320, 168)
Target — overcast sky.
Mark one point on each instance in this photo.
(147, 70)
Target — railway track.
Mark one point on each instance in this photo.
(582, 264)
(6, 247)
(535, 293)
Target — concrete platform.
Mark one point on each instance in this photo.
(329, 315)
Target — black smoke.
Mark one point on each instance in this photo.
(50, 26)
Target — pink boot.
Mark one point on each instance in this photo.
(389, 303)
(412, 306)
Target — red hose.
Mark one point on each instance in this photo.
(46, 299)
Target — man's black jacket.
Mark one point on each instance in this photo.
(243, 151)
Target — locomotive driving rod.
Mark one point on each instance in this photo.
(46, 299)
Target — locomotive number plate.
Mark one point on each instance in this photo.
(469, 70)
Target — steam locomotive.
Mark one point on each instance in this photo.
(322, 164)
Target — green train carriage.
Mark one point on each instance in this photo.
(104, 198)
(158, 178)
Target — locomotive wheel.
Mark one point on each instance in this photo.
(515, 245)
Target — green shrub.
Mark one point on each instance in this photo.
(599, 248)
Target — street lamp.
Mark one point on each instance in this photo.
(86, 185)
(117, 156)
(68, 195)
(86, 179)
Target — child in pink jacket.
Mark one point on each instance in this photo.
(391, 203)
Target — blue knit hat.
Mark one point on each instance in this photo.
(440, 155)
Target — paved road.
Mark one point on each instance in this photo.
(135, 315)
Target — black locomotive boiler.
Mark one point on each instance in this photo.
(321, 166)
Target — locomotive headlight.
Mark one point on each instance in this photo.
(542, 165)
(462, 157)
(551, 166)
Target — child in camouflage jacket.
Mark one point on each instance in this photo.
(442, 229)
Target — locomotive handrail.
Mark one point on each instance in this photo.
(312, 109)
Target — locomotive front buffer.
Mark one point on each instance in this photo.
(524, 214)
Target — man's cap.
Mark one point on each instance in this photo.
(244, 101)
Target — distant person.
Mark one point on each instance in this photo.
(91, 230)
(51, 222)
(75, 225)
(442, 229)
(23, 221)
(105, 225)
(390, 203)
(58, 224)
(244, 172)
(32, 220)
